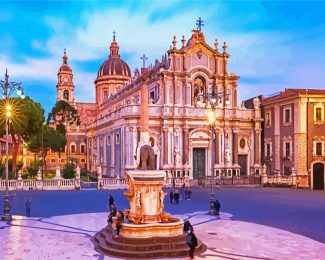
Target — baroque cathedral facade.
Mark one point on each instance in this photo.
(177, 86)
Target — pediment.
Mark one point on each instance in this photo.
(200, 134)
(198, 49)
(199, 55)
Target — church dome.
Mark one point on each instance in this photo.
(114, 65)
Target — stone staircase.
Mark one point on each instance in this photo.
(157, 247)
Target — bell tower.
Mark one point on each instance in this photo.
(65, 87)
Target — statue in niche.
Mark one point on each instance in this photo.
(227, 155)
(227, 148)
(199, 91)
(177, 156)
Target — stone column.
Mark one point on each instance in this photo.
(235, 146)
(165, 145)
(217, 142)
(235, 95)
(185, 145)
(144, 108)
(257, 147)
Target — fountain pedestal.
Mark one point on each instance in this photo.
(146, 198)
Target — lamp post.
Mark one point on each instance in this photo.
(214, 99)
(212, 119)
(7, 88)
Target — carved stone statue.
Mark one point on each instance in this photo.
(264, 169)
(147, 158)
(177, 156)
(227, 157)
(99, 171)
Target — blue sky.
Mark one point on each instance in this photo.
(273, 44)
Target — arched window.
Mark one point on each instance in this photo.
(66, 95)
(152, 141)
(199, 90)
(118, 138)
(73, 148)
(82, 148)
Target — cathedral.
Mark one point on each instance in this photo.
(176, 88)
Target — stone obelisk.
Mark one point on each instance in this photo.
(144, 111)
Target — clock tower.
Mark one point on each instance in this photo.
(65, 87)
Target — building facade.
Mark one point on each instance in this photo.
(178, 131)
(177, 86)
(294, 135)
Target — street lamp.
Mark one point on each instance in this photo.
(214, 99)
(7, 88)
(212, 119)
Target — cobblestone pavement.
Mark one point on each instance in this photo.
(68, 237)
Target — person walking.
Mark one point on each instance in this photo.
(187, 226)
(110, 201)
(119, 221)
(28, 204)
(189, 193)
(186, 194)
(176, 196)
(171, 196)
(191, 241)
(111, 214)
(217, 207)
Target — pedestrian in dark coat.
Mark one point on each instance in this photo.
(110, 201)
(187, 226)
(171, 196)
(186, 194)
(189, 192)
(176, 196)
(191, 241)
(28, 203)
(217, 207)
(111, 214)
(119, 221)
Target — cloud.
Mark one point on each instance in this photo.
(91, 41)
(146, 28)
(31, 68)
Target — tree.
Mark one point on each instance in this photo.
(26, 121)
(48, 138)
(63, 114)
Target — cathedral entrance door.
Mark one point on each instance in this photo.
(318, 176)
(198, 163)
(242, 161)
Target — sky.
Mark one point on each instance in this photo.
(273, 44)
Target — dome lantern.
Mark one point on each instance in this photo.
(114, 65)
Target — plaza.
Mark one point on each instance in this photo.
(146, 101)
(255, 223)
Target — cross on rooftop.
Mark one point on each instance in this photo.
(199, 23)
(144, 58)
(114, 34)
